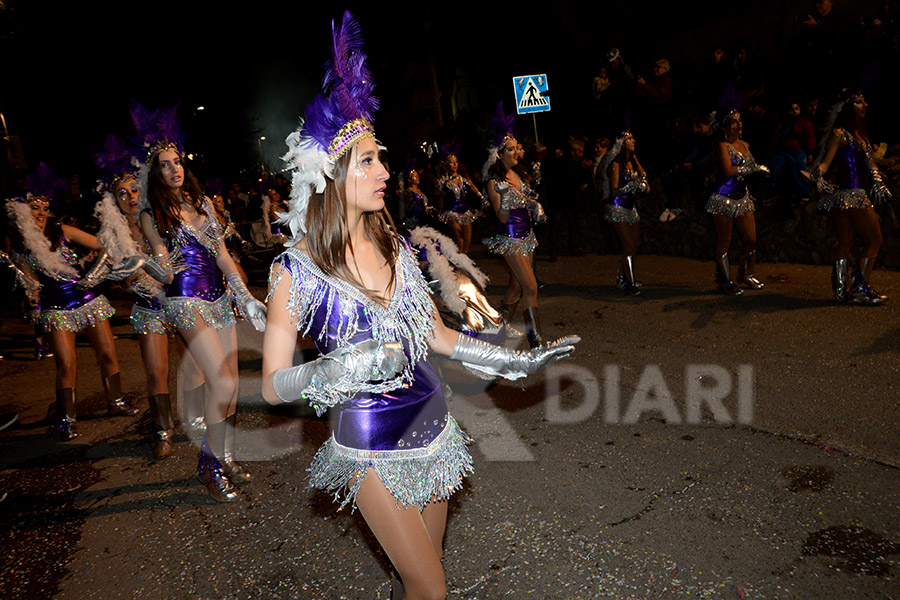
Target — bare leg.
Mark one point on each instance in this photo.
(520, 265)
(405, 538)
(724, 227)
(155, 352)
(63, 345)
(865, 222)
(465, 238)
(101, 338)
(206, 347)
(456, 233)
(746, 226)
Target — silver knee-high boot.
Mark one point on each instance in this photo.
(860, 292)
(163, 425)
(723, 276)
(116, 406)
(210, 471)
(840, 279)
(745, 272)
(533, 327)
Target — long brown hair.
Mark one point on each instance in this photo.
(164, 200)
(328, 233)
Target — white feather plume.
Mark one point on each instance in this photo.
(38, 244)
(493, 156)
(308, 164)
(115, 233)
(442, 252)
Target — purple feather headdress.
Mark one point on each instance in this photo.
(335, 121)
(116, 162)
(156, 130)
(503, 126)
(44, 184)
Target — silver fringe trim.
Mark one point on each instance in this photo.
(181, 312)
(845, 199)
(145, 320)
(723, 205)
(620, 214)
(414, 477)
(466, 218)
(209, 235)
(504, 245)
(408, 316)
(76, 319)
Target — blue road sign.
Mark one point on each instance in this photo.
(531, 93)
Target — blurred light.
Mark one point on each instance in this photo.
(190, 157)
(201, 108)
(262, 137)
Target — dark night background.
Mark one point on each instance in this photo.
(69, 69)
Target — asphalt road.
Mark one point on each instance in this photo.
(695, 446)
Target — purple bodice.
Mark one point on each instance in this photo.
(458, 198)
(733, 187)
(335, 315)
(62, 294)
(202, 279)
(850, 163)
(518, 225)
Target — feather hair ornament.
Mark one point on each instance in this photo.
(335, 121)
(502, 126)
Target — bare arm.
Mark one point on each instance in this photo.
(280, 338)
(82, 238)
(831, 147)
(157, 244)
(494, 197)
(724, 160)
(444, 338)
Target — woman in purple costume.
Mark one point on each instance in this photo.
(623, 179)
(272, 207)
(852, 186)
(353, 285)
(731, 206)
(514, 201)
(182, 220)
(461, 202)
(69, 303)
(120, 233)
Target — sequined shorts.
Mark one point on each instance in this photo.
(620, 214)
(218, 314)
(414, 477)
(730, 207)
(505, 245)
(466, 218)
(147, 320)
(77, 319)
(845, 199)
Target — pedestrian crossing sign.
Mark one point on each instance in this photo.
(531, 94)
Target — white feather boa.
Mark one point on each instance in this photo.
(493, 156)
(309, 165)
(266, 207)
(37, 244)
(115, 233)
(439, 261)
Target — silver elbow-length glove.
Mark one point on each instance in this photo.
(127, 267)
(31, 287)
(750, 166)
(162, 267)
(489, 361)
(250, 307)
(97, 273)
(338, 375)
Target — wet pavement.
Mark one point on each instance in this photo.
(696, 446)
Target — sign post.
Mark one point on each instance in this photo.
(531, 96)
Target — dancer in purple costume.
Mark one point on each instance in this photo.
(461, 202)
(731, 206)
(69, 302)
(514, 203)
(181, 219)
(848, 191)
(350, 283)
(623, 179)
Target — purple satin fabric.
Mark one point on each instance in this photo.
(202, 279)
(63, 295)
(733, 187)
(378, 421)
(460, 205)
(624, 201)
(148, 303)
(849, 176)
(518, 225)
